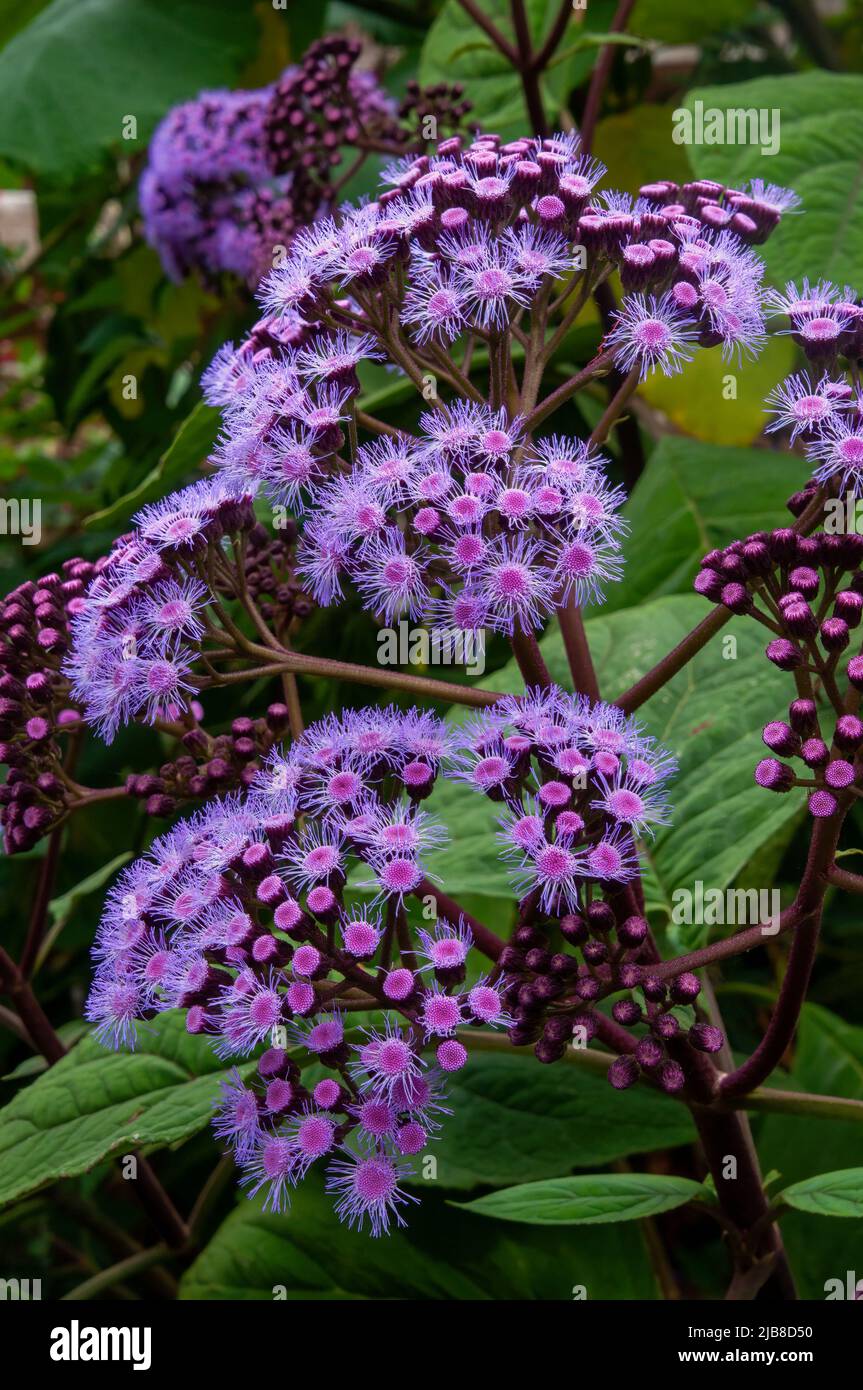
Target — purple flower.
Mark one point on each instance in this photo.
(803, 407)
(838, 451)
(367, 1190)
(651, 333)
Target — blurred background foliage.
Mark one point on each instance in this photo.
(92, 306)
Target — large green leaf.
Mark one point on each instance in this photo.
(441, 1254)
(71, 77)
(710, 715)
(95, 1103)
(828, 1194)
(820, 156)
(691, 497)
(515, 1121)
(588, 1200)
(829, 1060)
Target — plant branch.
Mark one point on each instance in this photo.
(152, 1195)
(578, 650)
(115, 1274)
(44, 889)
(530, 659)
(844, 879)
(601, 74)
(783, 1022)
(674, 661)
(528, 70)
(501, 43)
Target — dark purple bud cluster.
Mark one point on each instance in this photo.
(808, 590)
(270, 579)
(36, 709)
(321, 106)
(210, 765)
(443, 104)
(751, 215)
(660, 1052)
(233, 175)
(557, 974)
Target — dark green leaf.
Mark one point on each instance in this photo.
(442, 1254)
(95, 1103)
(829, 1194)
(696, 496)
(828, 1060)
(515, 1121)
(191, 445)
(587, 1200)
(72, 76)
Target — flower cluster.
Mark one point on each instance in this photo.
(471, 520)
(243, 916)
(827, 416)
(808, 591)
(826, 322)
(470, 240)
(138, 634)
(322, 105)
(577, 781)
(206, 162)
(469, 525)
(70, 640)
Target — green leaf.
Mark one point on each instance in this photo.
(457, 50)
(637, 148)
(72, 76)
(710, 715)
(697, 496)
(190, 446)
(830, 1194)
(587, 1201)
(440, 1255)
(820, 156)
(95, 1103)
(515, 1121)
(68, 1033)
(828, 1060)
(60, 908)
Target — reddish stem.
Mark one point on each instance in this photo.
(601, 74)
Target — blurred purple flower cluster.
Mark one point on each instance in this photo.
(232, 175)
